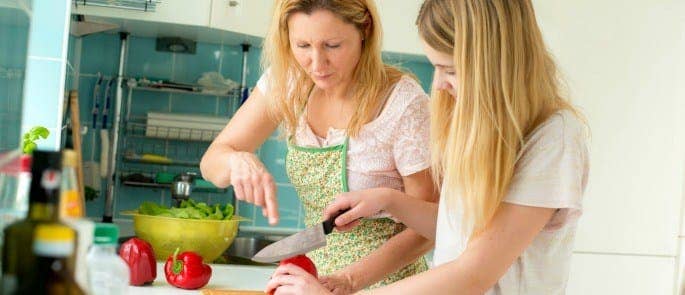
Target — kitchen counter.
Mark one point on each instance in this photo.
(224, 276)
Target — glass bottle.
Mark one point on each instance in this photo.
(53, 244)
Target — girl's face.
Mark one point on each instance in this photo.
(325, 46)
(445, 77)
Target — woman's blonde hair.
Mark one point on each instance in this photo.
(290, 84)
(507, 85)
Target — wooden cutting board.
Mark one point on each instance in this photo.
(230, 292)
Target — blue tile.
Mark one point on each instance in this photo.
(13, 54)
(423, 71)
(231, 66)
(130, 198)
(96, 208)
(144, 102)
(222, 198)
(272, 153)
(100, 54)
(288, 209)
(193, 104)
(144, 61)
(231, 63)
(71, 56)
(189, 67)
(254, 70)
(47, 28)
(43, 93)
(227, 105)
(247, 211)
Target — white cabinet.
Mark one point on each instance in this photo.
(624, 69)
(182, 12)
(251, 17)
(619, 274)
(399, 30)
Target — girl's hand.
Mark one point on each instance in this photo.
(364, 203)
(252, 183)
(290, 279)
(338, 283)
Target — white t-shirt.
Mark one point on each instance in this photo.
(551, 172)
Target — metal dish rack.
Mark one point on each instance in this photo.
(171, 149)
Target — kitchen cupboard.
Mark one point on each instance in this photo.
(251, 17)
(618, 274)
(183, 12)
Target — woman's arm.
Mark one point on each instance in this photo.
(487, 257)
(230, 159)
(400, 250)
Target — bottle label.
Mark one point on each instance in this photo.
(71, 206)
(50, 179)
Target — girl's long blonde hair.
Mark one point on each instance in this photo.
(290, 84)
(507, 85)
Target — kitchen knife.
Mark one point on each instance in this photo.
(300, 243)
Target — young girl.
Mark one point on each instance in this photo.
(509, 152)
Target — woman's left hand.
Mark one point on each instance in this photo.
(291, 279)
(338, 283)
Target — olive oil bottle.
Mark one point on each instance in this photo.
(18, 258)
(53, 245)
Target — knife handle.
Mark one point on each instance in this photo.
(329, 224)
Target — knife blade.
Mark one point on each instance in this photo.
(302, 242)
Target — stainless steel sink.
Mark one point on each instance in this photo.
(247, 247)
(243, 248)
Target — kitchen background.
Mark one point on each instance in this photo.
(99, 55)
(622, 60)
(14, 25)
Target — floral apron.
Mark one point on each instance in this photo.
(318, 175)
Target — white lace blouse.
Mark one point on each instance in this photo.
(393, 145)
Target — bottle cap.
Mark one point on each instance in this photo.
(25, 163)
(106, 234)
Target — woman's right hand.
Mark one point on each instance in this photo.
(252, 183)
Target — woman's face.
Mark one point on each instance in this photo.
(445, 77)
(325, 46)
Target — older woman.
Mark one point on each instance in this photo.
(352, 123)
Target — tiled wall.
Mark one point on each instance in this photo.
(99, 54)
(46, 69)
(14, 31)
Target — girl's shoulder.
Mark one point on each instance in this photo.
(564, 124)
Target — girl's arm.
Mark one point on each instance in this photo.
(417, 214)
(398, 252)
(487, 257)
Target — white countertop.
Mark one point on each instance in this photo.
(224, 276)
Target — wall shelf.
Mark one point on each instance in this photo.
(168, 186)
(230, 94)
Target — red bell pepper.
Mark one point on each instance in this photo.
(186, 270)
(141, 261)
